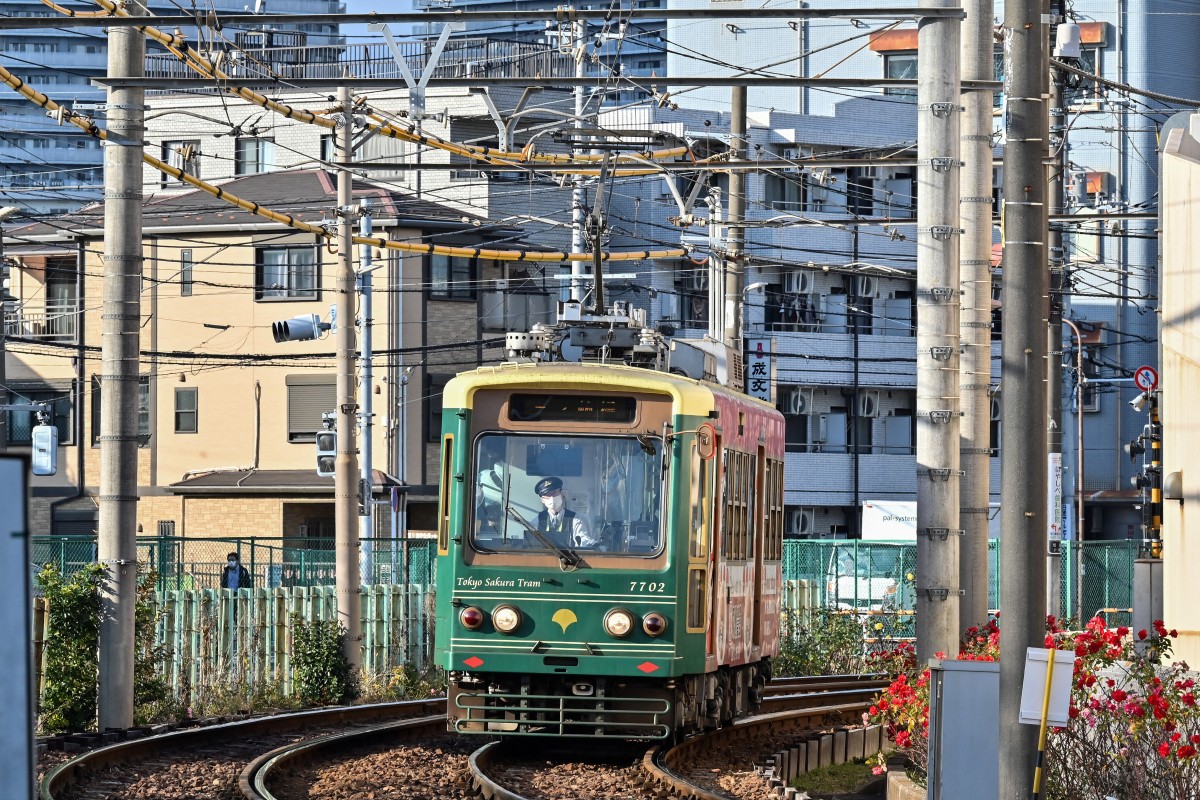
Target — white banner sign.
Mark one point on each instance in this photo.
(758, 369)
(1054, 501)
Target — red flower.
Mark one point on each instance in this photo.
(1187, 751)
(1119, 695)
(1164, 749)
(1142, 633)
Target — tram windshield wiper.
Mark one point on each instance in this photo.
(566, 556)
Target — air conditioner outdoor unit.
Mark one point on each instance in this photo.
(799, 521)
(798, 281)
(697, 279)
(865, 286)
(868, 403)
(794, 401)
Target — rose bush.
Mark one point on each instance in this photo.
(1134, 727)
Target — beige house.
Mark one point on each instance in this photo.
(1179, 298)
(228, 415)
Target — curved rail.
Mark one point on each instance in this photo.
(481, 762)
(71, 772)
(258, 773)
(663, 765)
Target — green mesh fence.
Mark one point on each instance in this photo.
(193, 563)
(1094, 578)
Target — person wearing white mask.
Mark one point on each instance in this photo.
(235, 576)
(562, 525)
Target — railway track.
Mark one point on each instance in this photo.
(234, 743)
(281, 757)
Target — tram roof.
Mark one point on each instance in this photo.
(692, 397)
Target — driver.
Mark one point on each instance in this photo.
(561, 525)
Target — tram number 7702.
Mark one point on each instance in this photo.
(643, 586)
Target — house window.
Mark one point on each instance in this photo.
(187, 412)
(20, 423)
(254, 156)
(450, 278)
(434, 386)
(784, 191)
(143, 410)
(185, 273)
(900, 66)
(286, 273)
(309, 397)
(184, 155)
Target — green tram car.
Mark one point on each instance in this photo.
(652, 611)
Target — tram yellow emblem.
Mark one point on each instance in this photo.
(565, 618)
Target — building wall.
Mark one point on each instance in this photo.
(1181, 383)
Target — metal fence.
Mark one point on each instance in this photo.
(210, 635)
(1094, 577)
(193, 563)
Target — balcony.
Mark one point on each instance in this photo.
(52, 322)
(462, 58)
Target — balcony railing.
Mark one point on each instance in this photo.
(53, 322)
(462, 58)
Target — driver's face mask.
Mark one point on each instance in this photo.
(233, 562)
(553, 503)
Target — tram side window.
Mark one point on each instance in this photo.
(697, 599)
(698, 540)
(773, 536)
(738, 504)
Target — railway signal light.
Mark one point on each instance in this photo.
(326, 447)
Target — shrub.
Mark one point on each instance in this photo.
(322, 673)
(825, 643)
(68, 702)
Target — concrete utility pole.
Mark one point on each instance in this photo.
(119, 357)
(975, 369)
(5, 278)
(366, 531)
(578, 192)
(345, 475)
(1023, 376)
(938, 533)
(735, 278)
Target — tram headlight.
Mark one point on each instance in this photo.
(471, 618)
(654, 624)
(506, 619)
(618, 623)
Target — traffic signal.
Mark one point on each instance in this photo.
(44, 444)
(326, 451)
(298, 329)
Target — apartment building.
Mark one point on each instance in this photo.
(47, 168)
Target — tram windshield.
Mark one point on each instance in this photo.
(568, 494)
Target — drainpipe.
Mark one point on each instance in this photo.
(1078, 460)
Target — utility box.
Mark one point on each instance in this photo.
(16, 642)
(964, 730)
(1147, 595)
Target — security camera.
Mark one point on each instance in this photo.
(1139, 402)
(299, 329)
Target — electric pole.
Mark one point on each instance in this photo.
(1023, 376)
(345, 476)
(734, 277)
(578, 192)
(366, 528)
(938, 120)
(975, 369)
(119, 375)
